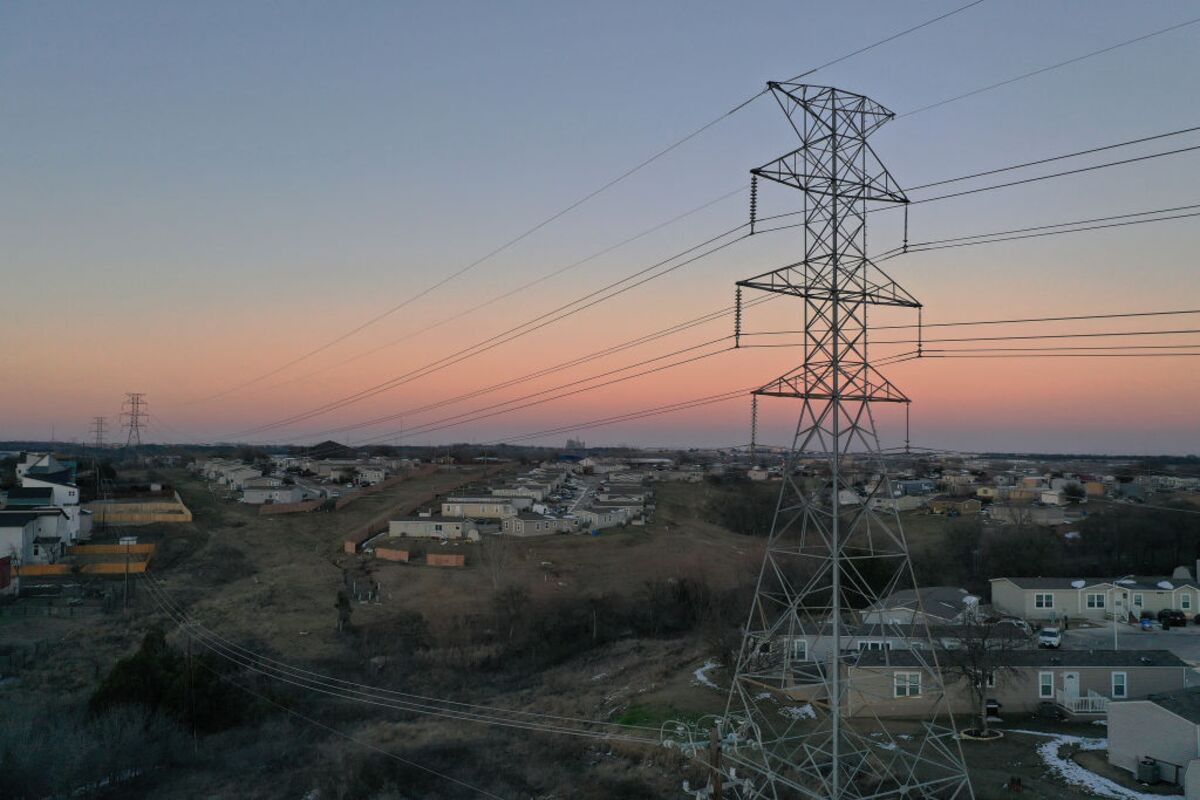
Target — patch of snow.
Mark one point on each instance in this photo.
(599, 676)
(1166, 585)
(905, 736)
(886, 745)
(1078, 584)
(1076, 775)
(1103, 722)
(805, 711)
(1126, 581)
(701, 675)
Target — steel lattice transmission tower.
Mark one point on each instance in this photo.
(98, 429)
(134, 417)
(804, 711)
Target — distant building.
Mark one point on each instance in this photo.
(484, 507)
(1093, 598)
(955, 505)
(269, 495)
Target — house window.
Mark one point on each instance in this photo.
(1043, 600)
(1095, 601)
(865, 646)
(799, 649)
(1137, 600)
(1045, 684)
(437, 527)
(907, 684)
(1120, 685)
(1185, 601)
(991, 680)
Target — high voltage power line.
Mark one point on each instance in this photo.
(1048, 68)
(517, 332)
(736, 109)
(581, 201)
(421, 372)
(380, 696)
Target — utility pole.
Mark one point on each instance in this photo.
(125, 601)
(830, 554)
(134, 418)
(714, 763)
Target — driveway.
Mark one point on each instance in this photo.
(1183, 642)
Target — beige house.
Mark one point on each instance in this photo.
(897, 683)
(1163, 727)
(530, 524)
(484, 507)
(1027, 514)
(594, 520)
(1053, 599)
(960, 505)
(436, 527)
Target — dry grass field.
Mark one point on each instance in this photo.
(270, 583)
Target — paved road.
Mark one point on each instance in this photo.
(1183, 642)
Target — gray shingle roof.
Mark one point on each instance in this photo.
(1045, 658)
(1147, 583)
(944, 602)
(1183, 702)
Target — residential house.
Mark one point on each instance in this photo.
(534, 491)
(902, 683)
(270, 495)
(914, 486)
(64, 495)
(905, 502)
(593, 519)
(991, 493)
(34, 535)
(263, 482)
(484, 507)
(954, 505)
(440, 527)
(1093, 598)
(1009, 514)
(934, 605)
(1162, 727)
(370, 475)
(529, 524)
(1052, 497)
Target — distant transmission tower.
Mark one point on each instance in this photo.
(135, 402)
(804, 711)
(98, 429)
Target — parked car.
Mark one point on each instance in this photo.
(1172, 617)
(1050, 637)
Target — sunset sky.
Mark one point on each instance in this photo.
(197, 194)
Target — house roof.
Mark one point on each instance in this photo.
(33, 494)
(1182, 702)
(17, 519)
(1147, 583)
(1042, 658)
(945, 602)
(62, 478)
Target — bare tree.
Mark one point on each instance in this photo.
(979, 654)
(495, 557)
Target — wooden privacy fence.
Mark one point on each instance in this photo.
(59, 570)
(109, 511)
(379, 523)
(109, 549)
